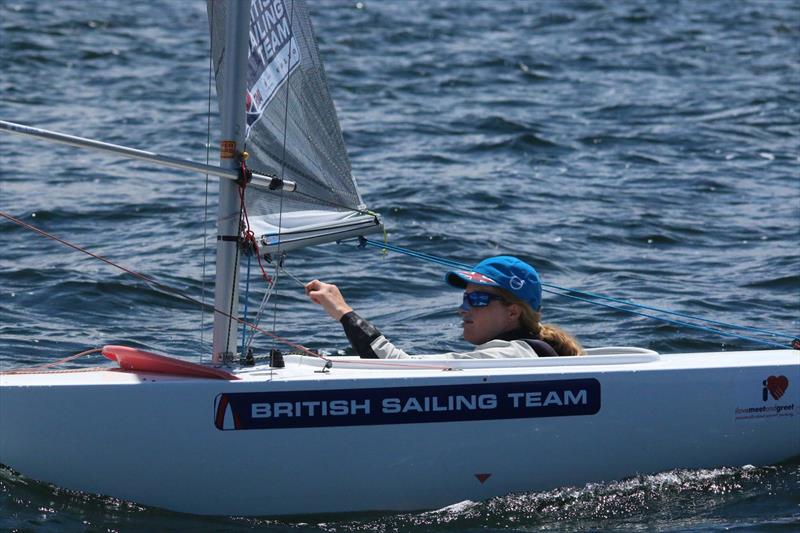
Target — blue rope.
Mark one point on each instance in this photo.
(246, 294)
(668, 312)
(412, 253)
(454, 264)
(671, 321)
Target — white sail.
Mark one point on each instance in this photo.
(292, 131)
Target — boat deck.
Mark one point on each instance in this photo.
(306, 368)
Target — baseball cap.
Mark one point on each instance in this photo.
(504, 271)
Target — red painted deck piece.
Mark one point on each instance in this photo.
(138, 360)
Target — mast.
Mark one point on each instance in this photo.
(226, 290)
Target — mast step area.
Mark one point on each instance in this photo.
(135, 360)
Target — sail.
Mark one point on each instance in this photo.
(292, 131)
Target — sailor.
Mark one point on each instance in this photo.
(501, 310)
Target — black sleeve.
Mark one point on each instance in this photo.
(360, 333)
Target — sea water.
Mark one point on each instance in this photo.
(643, 150)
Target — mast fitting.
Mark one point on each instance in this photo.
(245, 174)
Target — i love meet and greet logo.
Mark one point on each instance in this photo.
(773, 389)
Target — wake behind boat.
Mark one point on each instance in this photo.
(314, 434)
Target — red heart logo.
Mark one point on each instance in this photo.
(777, 385)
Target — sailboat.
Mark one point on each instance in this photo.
(303, 434)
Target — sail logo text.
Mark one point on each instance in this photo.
(269, 28)
(273, 55)
(406, 405)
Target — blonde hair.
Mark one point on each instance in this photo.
(562, 342)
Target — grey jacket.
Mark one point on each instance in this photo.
(368, 342)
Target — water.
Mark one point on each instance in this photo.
(643, 150)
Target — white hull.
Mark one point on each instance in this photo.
(154, 439)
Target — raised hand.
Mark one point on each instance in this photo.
(328, 296)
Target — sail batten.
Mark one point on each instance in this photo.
(292, 127)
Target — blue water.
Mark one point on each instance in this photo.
(644, 150)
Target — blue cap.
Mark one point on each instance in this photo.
(504, 271)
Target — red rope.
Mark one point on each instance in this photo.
(79, 249)
(159, 285)
(37, 368)
(250, 237)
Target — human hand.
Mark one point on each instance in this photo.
(328, 296)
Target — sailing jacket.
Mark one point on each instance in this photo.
(369, 343)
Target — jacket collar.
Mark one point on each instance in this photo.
(517, 334)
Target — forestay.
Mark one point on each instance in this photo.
(292, 131)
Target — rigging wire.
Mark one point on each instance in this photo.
(364, 242)
(548, 287)
(293, 277)
(250, 242)
(279, 256)
(246, 301)
(208, 161)
(672, 321)
(264, 301)
(667, 311)
(153, 283)
(299, 347)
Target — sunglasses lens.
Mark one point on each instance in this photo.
(477, 299)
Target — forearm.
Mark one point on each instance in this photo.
(360, 333)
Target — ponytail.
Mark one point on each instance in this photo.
(562, 342)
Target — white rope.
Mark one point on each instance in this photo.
(263, 305)
(293, 277)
